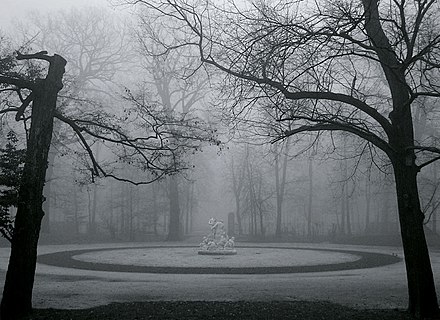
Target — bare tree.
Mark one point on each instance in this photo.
(153, 151)
(237, 172)
(17, 293)
(354, 66)
(96, 45)
(177, 87)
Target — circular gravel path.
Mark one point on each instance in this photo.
(184, 260)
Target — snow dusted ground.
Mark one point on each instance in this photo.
(188, 257)
(380, 287)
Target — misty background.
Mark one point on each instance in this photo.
(321, 187)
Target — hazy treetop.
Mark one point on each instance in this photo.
(13, 10)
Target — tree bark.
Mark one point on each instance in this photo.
(17, 292)
(421, 289)
(45, 223)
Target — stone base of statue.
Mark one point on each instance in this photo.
(217, 252)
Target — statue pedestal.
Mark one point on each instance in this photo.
(217, 252)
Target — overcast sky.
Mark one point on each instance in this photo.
(11, 10)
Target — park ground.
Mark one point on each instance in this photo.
(370, 293)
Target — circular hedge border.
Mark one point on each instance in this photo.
(367, 260)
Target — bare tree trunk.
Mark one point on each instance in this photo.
(278, 195)
(434, 200)
(130, 213)
(191, 208)
(421, 289)
(112, 224)
(123, 213)
(89, 210)
(347, 211)
(343, 212)
(45, 223)
(280, 186)
(174, 231)
(238, 216)
(309, 207)
(187, 202)
(92, 212)
(259, 203)
(262, 229)
(155, 209)
(75, 210)
(94, 205)
(17, 292)
(252, 198)
(237, 186)
(368, 204)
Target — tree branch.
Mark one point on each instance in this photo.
(375, 140)
(42, 55)
(24, 105)
(19, 83)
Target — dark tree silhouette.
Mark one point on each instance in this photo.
(153, 151)
(17, 292)
(353, 66)
(11, 169)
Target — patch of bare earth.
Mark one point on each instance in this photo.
(304, 310)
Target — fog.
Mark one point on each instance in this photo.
(248, 154)
(318, 189)
(13, 11)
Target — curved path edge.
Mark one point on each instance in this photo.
(367, 260)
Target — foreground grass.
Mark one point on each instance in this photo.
(303, 310)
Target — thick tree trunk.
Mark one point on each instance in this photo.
(17, 292)
(421, 289)
(45, 223)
